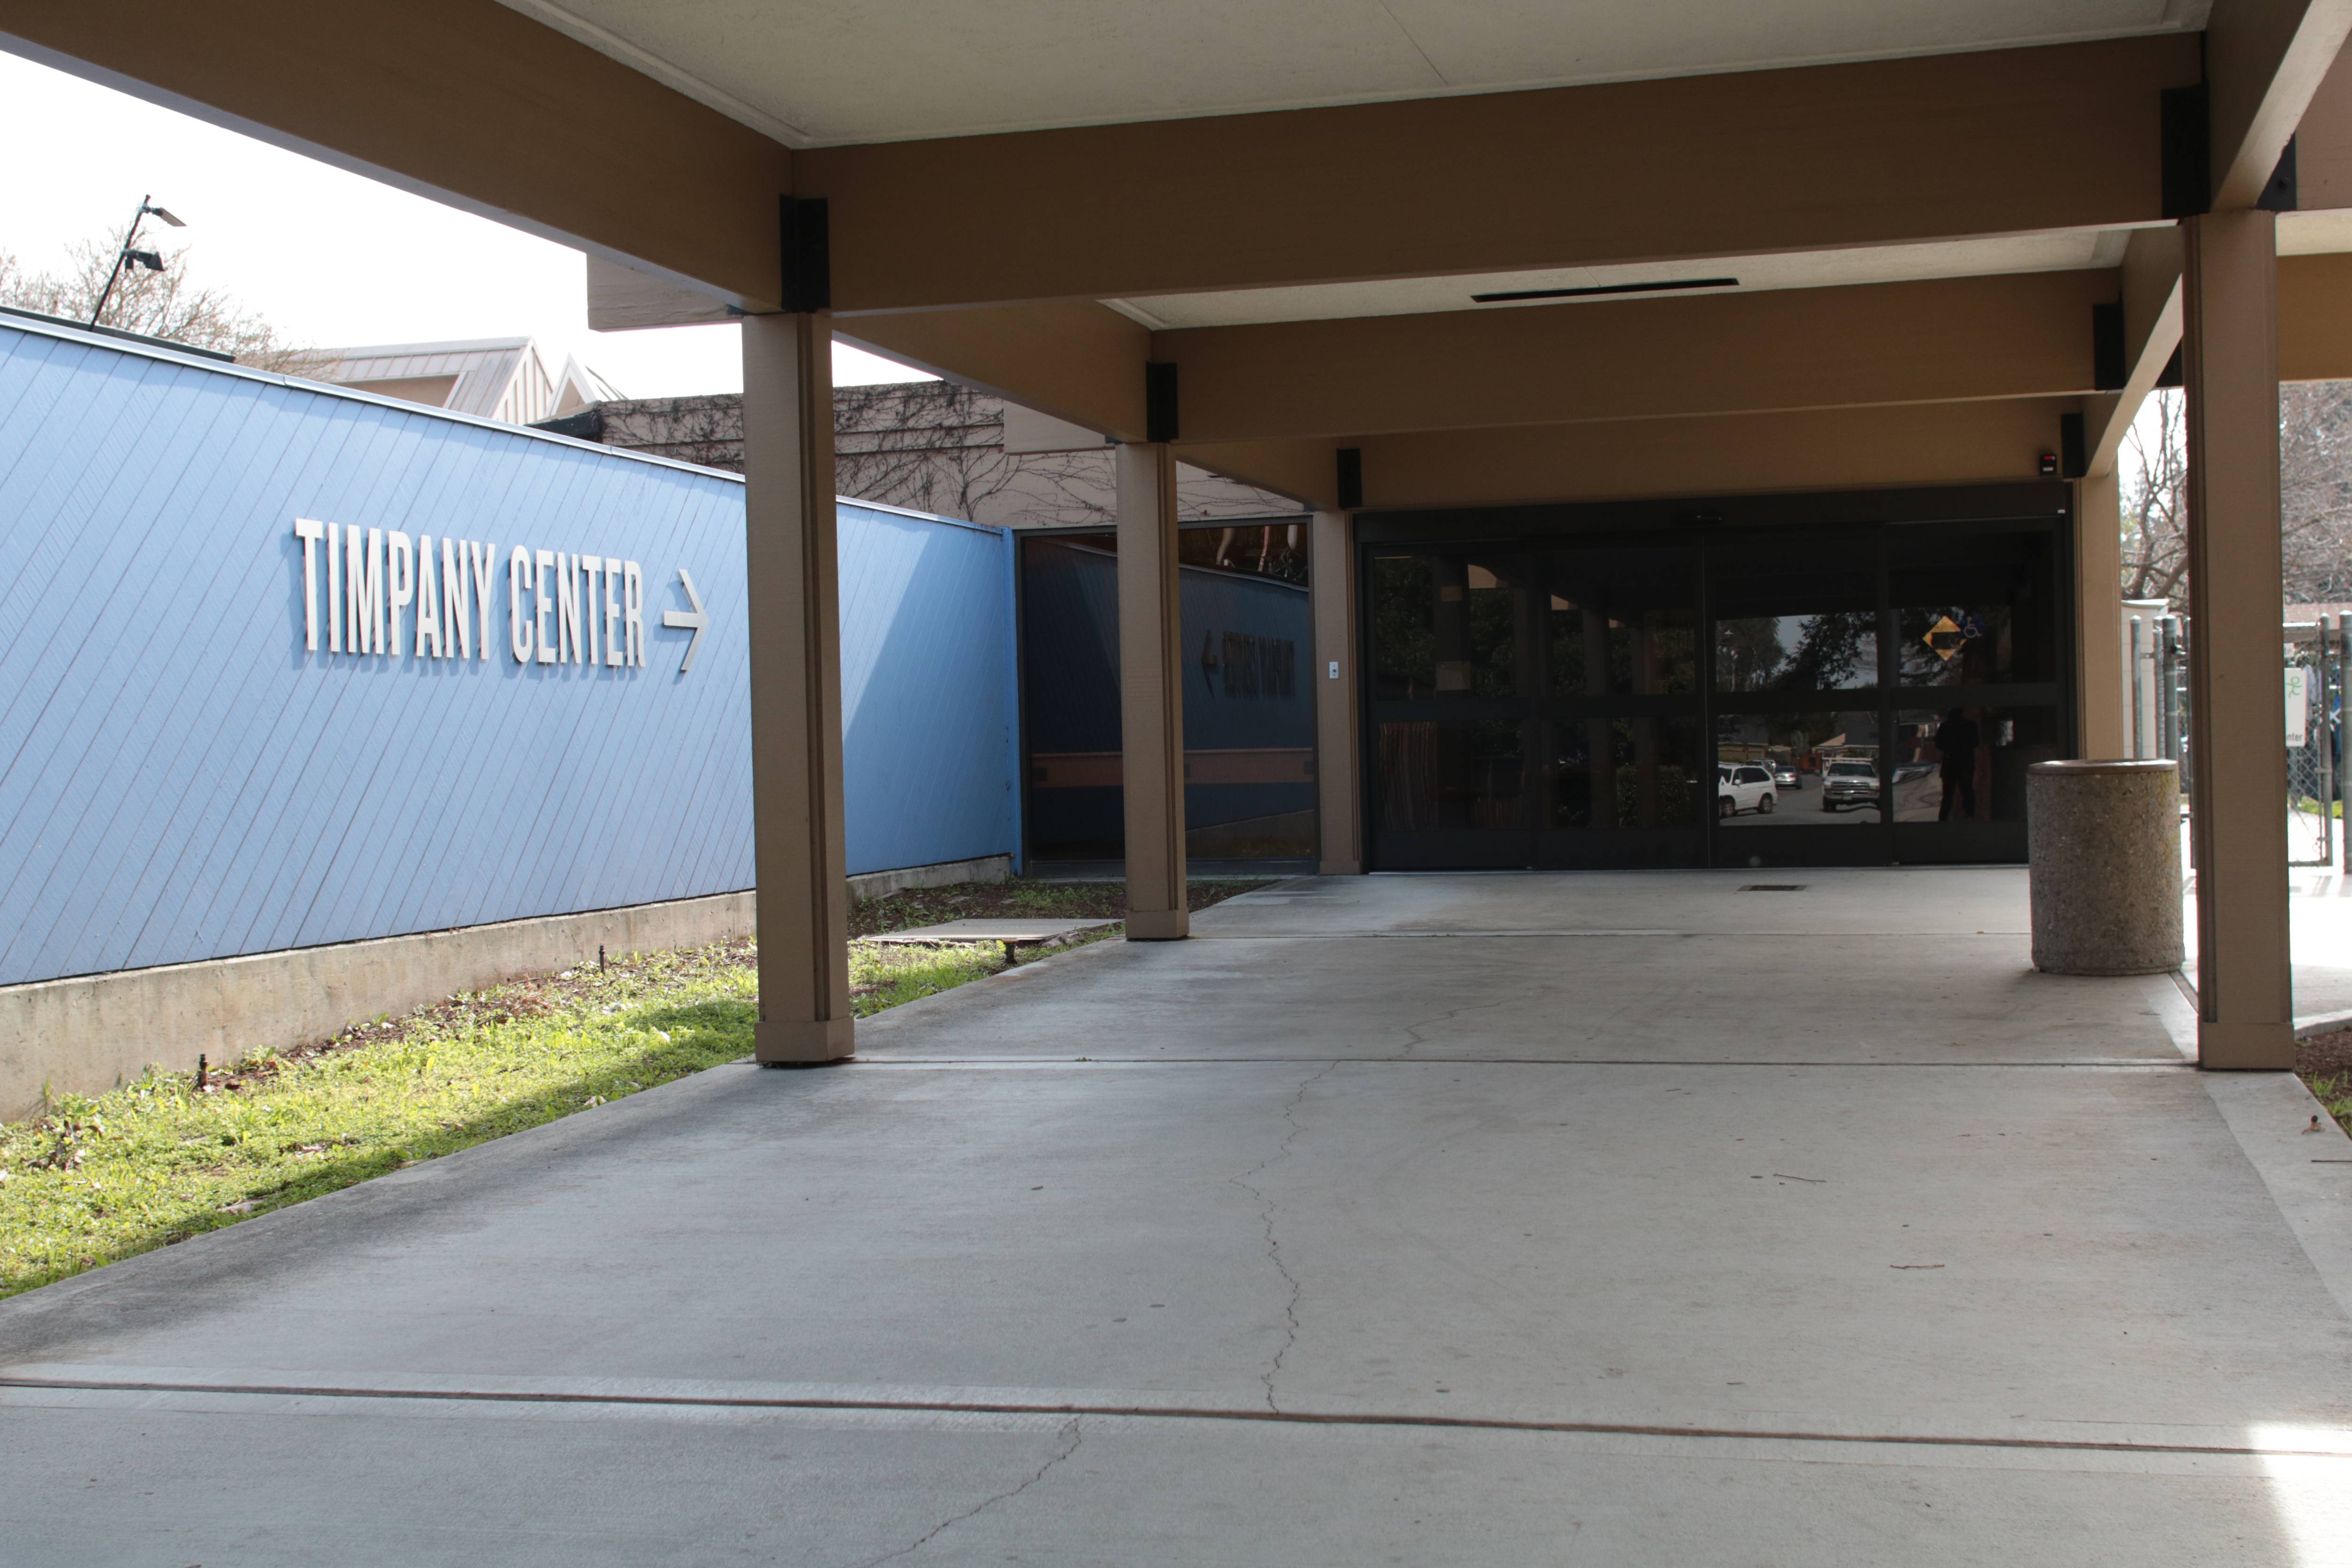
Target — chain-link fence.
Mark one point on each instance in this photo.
(2315, 656)
(2315, 691)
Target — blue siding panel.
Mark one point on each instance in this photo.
(180, 780)
(926, 725)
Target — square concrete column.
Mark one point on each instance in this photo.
(2237, 754)
(2101, 682)
(1152, 693)
(1331, 580)
(802, 862)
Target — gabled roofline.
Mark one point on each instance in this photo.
(418, 351)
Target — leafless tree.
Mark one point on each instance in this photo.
(2315, 490)
(938, 448)
(2155, 463)
(158, 304)
(707, 431)
(2315, 496)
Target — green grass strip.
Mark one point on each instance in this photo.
(153, 1162)
(158, 1161)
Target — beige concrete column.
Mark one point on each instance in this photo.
(2101, 680)
(2237, 717)
(795, 633)
(1331, 576)
(1152, 693)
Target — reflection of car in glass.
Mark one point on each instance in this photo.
(1742, 786)
(1848, 783)
(1905, 772)
(1784, 776)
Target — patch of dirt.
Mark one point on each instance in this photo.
(2324, 1055)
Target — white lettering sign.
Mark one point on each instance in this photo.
(563, 607)
(2298, 707)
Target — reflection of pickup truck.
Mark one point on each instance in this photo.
(1846, 782)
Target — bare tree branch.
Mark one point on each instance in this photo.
(164, 304)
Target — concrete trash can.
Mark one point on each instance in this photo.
(2103, 840)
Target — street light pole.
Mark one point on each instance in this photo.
(126, 255)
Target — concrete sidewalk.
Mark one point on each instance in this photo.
(1510, 1219)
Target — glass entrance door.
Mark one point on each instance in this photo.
(1797, 653)
(1713, 695)
(1535, 707)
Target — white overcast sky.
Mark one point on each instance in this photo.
(330, 259)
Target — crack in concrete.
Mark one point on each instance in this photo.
(1273, 1243)
(1418, 1039)
(1070, 1431)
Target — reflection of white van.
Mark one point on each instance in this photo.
(1848, 781)
(1742, 786)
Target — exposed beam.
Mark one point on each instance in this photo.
(2315, 318)
(2000, 141)
(1958, 443)
(1077, 361)
(1305, 470)
(2264, 59)
(2151, 290)
(2322, 142)
(474, 103)
(1944, 339)
(463, 100)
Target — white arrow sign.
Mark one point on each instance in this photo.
(693, 620)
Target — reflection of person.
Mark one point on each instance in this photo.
(1955, 742)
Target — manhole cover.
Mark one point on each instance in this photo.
(1773, 888)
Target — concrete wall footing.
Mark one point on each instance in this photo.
(875, 884)
(86, 1034)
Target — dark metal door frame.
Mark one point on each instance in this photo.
(1703, 526)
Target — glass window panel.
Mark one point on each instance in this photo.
(1830, 650)
(1648, 775)
(1444, 625)
(1456, 774)
(1968, 765)
(1796, 613)
(1820, 768)
(1974, 608)
(1260, 549)
(1617, 623)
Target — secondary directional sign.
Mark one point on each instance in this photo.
(694, 620)
(1945, 638)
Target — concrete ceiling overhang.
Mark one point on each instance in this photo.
(1005, 179)
(827, 72)
(2064, 250)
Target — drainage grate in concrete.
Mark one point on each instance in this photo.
(1773, 888)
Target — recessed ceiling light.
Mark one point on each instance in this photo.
(1666, 287)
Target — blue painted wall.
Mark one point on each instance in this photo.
(930, 710)
(179, 779)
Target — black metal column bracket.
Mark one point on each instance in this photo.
(807, 255)
(1158, 401)
(2109, 370)
(2278, 196)
(1351, 478)
(2186, 127)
